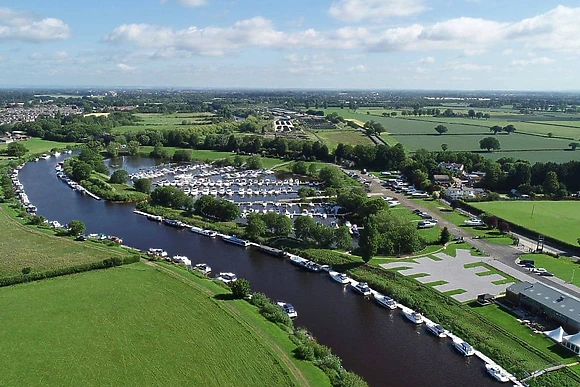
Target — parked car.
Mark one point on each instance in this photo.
(425, 224)
(474, 222)
(546, 274)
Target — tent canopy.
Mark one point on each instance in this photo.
(573, 339)
(557, 334)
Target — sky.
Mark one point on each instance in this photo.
(311, 44)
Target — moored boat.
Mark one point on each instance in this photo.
(413, 316)
(288, 309)
(235, 240)
(436, 329)
(181, 259)
(497, 373)
(227, 278)
(201, 231)
(463, 347)
(340, 277)
(203, 267)
(362, 288)
(157, 252)
(385, 301)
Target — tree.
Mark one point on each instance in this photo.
(278, 224)
(444, 147)
(182, 155)
(489, 143)
(445, 236)
(490, 221)
(254, 162)
(133, 147)
(441, 129)
(303, 227)
(495, 129)
(504, 227)
(81, 171)
(312, 169)
(76, 227)
(479, 115)
(113, 149)
(26, 270)
(342, 238)
(300, 168)
(306, 192)
(551, 184)
(369, 242)
(37, 220)
(573, 145)
(159, 152)
(486, 116)
(509, 129)
(241, 288)
(16, 149)
(256, 226)
(471, 113)
(119, 177)
(142, 185)
(550, 134)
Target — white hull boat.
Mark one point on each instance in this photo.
(414, 317)
(497, 373)
(385, 301)
(339, 277)
(464, 348)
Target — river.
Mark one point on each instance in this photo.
(379, 345)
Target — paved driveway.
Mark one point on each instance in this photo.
(452, 270)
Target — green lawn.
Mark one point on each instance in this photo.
(562, 267)
(202, 155)
(37, 145)
(138, 325)
(558, 220)
(346, 136)
(509, 323)
(158, 121)
(22, 246)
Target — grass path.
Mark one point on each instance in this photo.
(236, 313)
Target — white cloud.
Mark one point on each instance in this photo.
(24, 26)
(467, 67)
(374, 10)
(358, 69)
(428, 59)
(534, 61)
(188, 3)
(315, 59)
(474, 51)
(507, 51)
(124, 67)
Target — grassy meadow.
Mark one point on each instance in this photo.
(140, 325)
(157, 121)
(37, 145)
(558, 219)
(562, 267)
(347, 136)
(22, 246)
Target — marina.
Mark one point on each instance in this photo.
(293, 279)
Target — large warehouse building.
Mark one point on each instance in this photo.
(542, 299)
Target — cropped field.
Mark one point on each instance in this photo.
(37, 145)
(158, 121)
(136, 325)
(561, 156)
(22, 246)
(558, 220)
(333, 137)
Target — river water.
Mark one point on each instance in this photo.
(380, 345)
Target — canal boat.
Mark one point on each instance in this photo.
(203, 267)
(235, 240)
(201, 231)
(173, 223)
(155, 218)
(227, 278)
(341, 278)
(181, 259)
(306, 264)
(288, 309)
(157, 252)
(385, 301)
(497, 373)
(414, 317)
(362, 288)
(463, 347)
(436, 329)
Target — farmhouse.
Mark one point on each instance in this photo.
(547, 301)
(460, 193)
(441, 179)
(453, 167)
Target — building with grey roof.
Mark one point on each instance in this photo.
(547, 301)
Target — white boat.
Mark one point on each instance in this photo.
(436, 329)
(385, 301)
(362, 288)
(498, 373)
(204, 268)
(201, 231)
(181, 259)
(288, 309)
(227, 278)
(235, 240)
(413, 316)
(463, 347)
(157, 252)
(340, 277)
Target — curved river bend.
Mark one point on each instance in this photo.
(380, 345)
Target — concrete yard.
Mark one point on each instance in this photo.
(451, 270)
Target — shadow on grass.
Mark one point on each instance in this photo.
(225, 297)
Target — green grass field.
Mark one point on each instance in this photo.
(22, 246)
(165, 121)
(37, 145)
(333, 137)
(139, 325)
(558, 220)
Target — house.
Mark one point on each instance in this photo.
(453, 167)
(552, 304)
(460, 193)
(441, 179)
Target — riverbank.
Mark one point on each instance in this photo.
(52, 330)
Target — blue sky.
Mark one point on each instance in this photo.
(339, 44)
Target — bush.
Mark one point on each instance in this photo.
(119, 177)
(241, 288)
(26, 270)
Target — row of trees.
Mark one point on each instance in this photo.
(215, 208)
(269, 224)
(320, 235)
